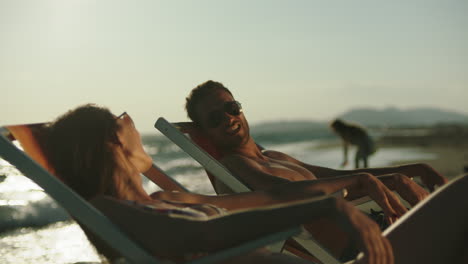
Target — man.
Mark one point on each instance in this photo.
(214, 110)
(354, 135)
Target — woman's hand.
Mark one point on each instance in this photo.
(130, 141)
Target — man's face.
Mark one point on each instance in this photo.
(218, 118)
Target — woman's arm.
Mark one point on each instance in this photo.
(294, 191)
(175, 237)
(171, 236)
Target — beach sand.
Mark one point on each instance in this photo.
(448, 143)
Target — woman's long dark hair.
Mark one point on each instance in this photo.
(79, 148)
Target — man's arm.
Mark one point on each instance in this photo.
(262, 176)
(358, 185)
(429, 176)
(408, 190)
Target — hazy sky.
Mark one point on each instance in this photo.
(281, 59)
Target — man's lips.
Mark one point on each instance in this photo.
(233, 128)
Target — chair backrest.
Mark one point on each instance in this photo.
(36, 167)
(175, 134)
(207, 145)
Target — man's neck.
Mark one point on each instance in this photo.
(248, 149)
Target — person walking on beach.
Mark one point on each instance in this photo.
(353, 134)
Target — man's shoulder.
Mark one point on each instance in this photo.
(240, 164)
(275, 154)
(267, 153)
(239, 160)
(234, 157)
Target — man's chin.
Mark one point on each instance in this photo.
(231, 144)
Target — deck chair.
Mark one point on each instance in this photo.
(34, 165)
(438, 226)
(224, 181)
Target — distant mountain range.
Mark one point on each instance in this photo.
(289, 131)
(391, 116)
(397, 117)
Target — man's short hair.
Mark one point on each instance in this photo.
(197, 95)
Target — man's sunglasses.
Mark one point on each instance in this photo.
(215, 118)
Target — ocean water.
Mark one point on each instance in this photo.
(35, 229)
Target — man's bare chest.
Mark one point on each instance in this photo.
(286, 169)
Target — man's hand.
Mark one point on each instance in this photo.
(408, 189)
(376, 248)
(432, 178)
(384, 197)
(429, 177)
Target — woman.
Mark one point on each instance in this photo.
(97, 153)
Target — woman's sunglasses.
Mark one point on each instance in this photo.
(215, 118)
(121, 116)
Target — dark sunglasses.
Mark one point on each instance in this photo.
(215, 118)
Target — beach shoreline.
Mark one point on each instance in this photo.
(446, 146)
(448, 143)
